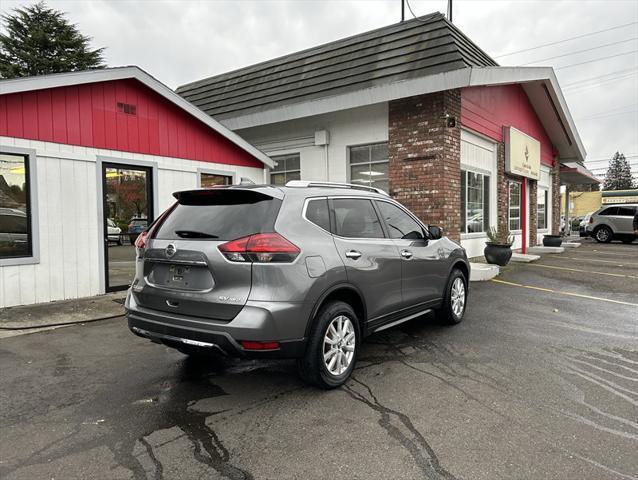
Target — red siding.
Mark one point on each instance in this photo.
(87, 115)
(487, 110)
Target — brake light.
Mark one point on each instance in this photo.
(260, 248)
(259, 345)
(140, 242)
(591, 219)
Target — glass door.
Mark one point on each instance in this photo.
(128, 211)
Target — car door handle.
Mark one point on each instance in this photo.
(353, 254)
(407, 254)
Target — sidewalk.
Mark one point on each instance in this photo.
(22, 319)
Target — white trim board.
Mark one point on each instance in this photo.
(119, 73)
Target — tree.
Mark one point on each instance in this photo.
(618, 176)
(40, 40)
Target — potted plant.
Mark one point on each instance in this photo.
(552, 240)
(498, 248)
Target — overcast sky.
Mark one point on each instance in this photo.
(182, 41)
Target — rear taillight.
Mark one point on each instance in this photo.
(260, 248)
(246, 345)
(140, 242)
(591, 219)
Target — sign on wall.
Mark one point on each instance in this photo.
(522, 154)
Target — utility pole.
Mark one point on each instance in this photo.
(449, 10)
(402, 11)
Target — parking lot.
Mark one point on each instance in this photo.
(539, 381)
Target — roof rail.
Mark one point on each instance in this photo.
(306, 183)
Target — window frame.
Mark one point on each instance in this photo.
(486, 198)
(545, 191)
(223, 173)
(286, 171)
(370, 162)
(33, 226)
(509, 206)
(330, 214)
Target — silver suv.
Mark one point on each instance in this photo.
(613, 222)
(304, 271)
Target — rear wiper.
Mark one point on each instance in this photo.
(194, 234)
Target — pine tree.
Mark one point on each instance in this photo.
(618, 175)
(40, 40)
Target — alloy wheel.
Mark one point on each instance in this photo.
(338, 345)
(458, 297)
(602, 234)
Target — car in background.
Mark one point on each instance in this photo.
(582, 226)
(113, 231)
(613, 222)
(135, 227)
(14, 236)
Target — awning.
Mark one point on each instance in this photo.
(574, 173)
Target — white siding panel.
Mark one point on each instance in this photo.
(53, 234)
(27, 284)
(42, 286)
(82, 229)
(11, 285)
(69, 219)
(94, 238)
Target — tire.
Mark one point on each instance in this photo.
(603, 234)
(313, 368)
(451, 312)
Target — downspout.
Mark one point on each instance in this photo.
(524, 216)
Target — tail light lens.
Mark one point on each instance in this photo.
(591, 219)
(259, 345)
(140, 241)
(260, 248)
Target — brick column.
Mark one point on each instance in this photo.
(502, 202)
(533, 212)
(425, 158)
(555, 200)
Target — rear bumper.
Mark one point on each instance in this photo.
(252, 323)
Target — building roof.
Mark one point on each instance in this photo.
(415, 48)
(41, 82)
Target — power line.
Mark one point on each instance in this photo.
(594, 117)
(597, 59)
(583, 88)
(631, 155)
(565, 40)
(580, 51)
(578, 86)
(600, 76)
(415, 17)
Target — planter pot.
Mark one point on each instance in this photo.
(552, 240)
(497, 254)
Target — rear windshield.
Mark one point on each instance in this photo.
(219, 215)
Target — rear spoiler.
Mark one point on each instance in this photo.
(228, 195)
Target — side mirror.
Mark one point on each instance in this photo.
(435, 232)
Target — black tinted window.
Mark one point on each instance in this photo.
(317, 213)
(356, 218)
(399, 223)
(223, 215)
(609, 211)
(626, 211)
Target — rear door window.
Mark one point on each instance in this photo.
(356, 218)
(317, 212)
(626, 211)
(609, 211)
(220, 215)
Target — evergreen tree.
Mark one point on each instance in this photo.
(39, 40)
(618, 175)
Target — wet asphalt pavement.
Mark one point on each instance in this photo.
(535, 383)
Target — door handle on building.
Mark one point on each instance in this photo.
(353, 254)
(407, 254)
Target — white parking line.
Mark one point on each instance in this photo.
(614, 262)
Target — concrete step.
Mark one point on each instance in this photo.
(524, 257)
(570, 244)
(540, 250)
(481, 272)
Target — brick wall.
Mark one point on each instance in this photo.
(533, 212)
(555, 200)
(501, 184)
(425, 154)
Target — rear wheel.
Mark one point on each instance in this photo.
(453, 308)
(603, 234)
(332, 347)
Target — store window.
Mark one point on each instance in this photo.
(541, 208)
(287, 167)
(369, 165)
(213, 180)
(475, 202)
(514, 208)
(15, 208)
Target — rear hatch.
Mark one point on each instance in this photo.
(184, 270)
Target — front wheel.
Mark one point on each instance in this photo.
(454, 302)
(332, 347)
